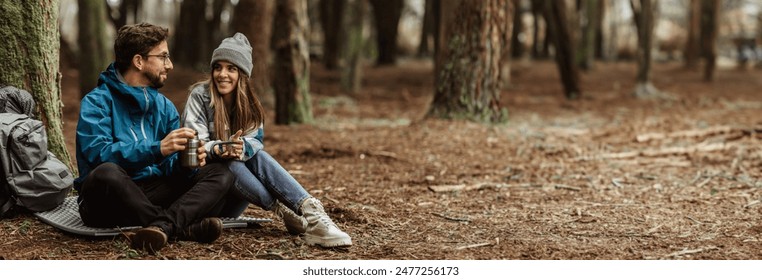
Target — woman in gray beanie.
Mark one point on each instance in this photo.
(225, 107)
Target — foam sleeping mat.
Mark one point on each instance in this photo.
(66, 218)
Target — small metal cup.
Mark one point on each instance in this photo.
(189, 156)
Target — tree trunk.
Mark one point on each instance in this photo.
(693, 44)
(127, 9)
(710, 11)
(427, 29)
(643, 15)
(254, 18)
(559, 32)
(93, 56)
(292, 63)
(386, 14)
(468, 62)
(355, 44)
(599, 41)
(513, 10)
(197, 35)
(30, 30)
(587, 41)
(517, 47)
(540, 47)
(331, 14)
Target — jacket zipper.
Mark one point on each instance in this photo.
(142, 119)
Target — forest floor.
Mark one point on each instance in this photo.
(608, 176)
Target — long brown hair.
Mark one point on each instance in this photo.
(247, 114)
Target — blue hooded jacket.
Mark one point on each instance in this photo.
(124, 125)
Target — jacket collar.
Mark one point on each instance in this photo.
(141, 96)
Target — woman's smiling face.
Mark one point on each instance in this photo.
(225, 75)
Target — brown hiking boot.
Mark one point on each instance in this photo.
(205, 231)
(151, 239)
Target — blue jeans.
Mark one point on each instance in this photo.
(261, 181)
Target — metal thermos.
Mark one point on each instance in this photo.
(189, 156)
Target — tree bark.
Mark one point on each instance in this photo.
(331, 15)
(427, 29)
(386, 14)
(599, 41)
(254, 18)
(30, 31)
(710, 25)
(93, 56)
(292, 63)
(517, 47)
(559, 32)
(197, 34)
(468, 60)
(128, 8)
(643, 15)
(587, 41)
(355, 44)
(540, 48)
(693, 44)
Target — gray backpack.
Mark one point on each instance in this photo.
(31, 176)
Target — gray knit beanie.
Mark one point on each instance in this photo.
(235, 50)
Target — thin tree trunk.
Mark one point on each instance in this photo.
(469, 59)
(292, 63)
(386, 14)
(643, 12)
(536, 28)
(559, 32)
(331, 13)
(93, 56)
(587, 41)
(517, 47)
(513, 10)
(198, 35)
(693, 44)
(599, 41)
(127, 9)
(254, 18)
(33, 27)
(710, 11)
(427, 29)
(355, 44)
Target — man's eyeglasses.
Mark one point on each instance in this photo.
(164, 57)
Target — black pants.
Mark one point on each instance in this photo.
(110, 198)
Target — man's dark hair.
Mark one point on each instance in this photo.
(136, 39)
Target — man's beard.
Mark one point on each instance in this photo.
(154, 80)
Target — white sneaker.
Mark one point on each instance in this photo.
(320, 229)
(294, 223)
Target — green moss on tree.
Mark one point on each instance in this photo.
(30, 33)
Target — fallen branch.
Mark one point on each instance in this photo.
(683, 134)
(451, 218)
(474, 246)
(560, 186)
(674, 162)
(704, 182)
(688, 252)
(654, 229)
(385, 154)
(464, 187)
(663, 151)
(755, 202)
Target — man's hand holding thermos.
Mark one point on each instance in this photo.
(185, 140)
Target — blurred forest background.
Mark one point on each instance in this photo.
(470, 44)
(451, 129)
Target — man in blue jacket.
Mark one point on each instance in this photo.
(128, 137)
